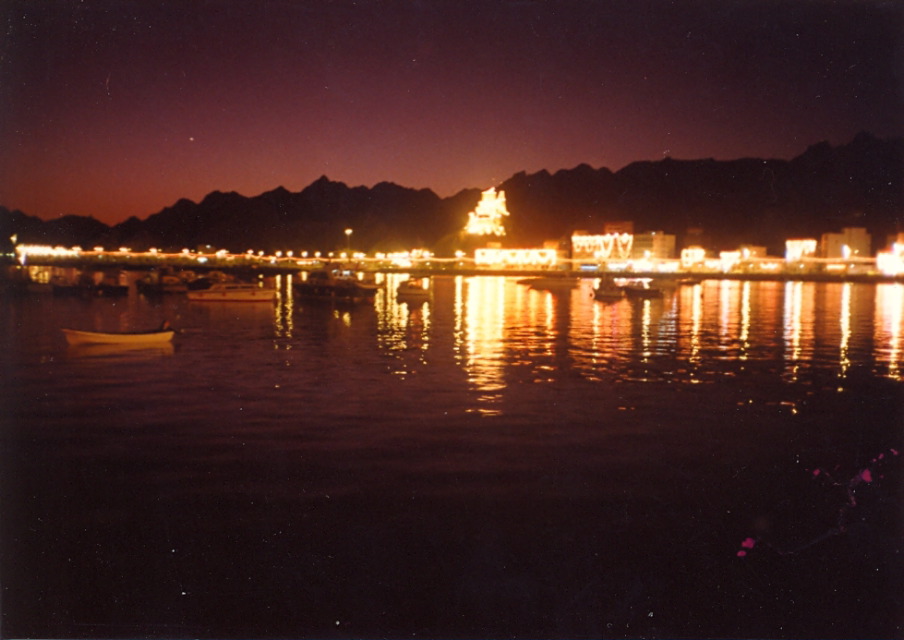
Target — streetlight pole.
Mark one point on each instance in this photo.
(348, 243)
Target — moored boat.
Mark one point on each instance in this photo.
(233, 292)
(641, 289)
(111, 284)
(551, 283)
(336, 284)
(608, 291)
(162, 335)
(159, 283)
(414, 289)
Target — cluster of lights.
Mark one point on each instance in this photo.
(614, 248)
(891, 263)
(23, 251)
(515, 257)
(609, 246)
(796, 250)
(405, 259)
(728, 260)
(486, 219)
(693, 257)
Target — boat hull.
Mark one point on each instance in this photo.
(638, 293)
(327, 286)
(76, 338)
(609, 295)
(233, 293)
(91, 291)
(551, 283)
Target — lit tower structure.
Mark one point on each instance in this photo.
(486, 219)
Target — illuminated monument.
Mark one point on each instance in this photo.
(486, 219)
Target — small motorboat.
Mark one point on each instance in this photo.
(608, 291)
(641, 289)
(414, 289)
(336, 285)
(87, 285)
(162, 335)
(551, 283)
(159, 283)
(233, 292)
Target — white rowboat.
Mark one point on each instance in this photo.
(233, 292)
(151, 338)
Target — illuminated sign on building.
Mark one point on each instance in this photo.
(891, 263)
(515, 257)
(610, 246)
(797, 249)
(692, 256)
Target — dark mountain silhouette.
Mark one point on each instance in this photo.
(745, 201)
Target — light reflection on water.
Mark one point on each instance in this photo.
(301, 454)
(497, 331)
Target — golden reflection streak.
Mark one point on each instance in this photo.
(696, 320)
(793, 303)
(845, 327)
(458, 307)
(888, 326)
(799, 319)
(745, 320)
(484, 326)
(427, 321)
(645, 321)
(283, 315)
(402, 325)
(541, 311)
(725, 290)
(391, 316)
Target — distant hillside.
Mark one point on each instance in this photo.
(748, 200)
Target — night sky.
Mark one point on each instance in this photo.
(119, 108)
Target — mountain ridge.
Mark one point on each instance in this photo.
(746, 200)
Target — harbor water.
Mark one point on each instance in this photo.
(494, 461)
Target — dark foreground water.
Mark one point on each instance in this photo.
(498, 462)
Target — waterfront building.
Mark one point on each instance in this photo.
(800, 248)
(499, 257)
(623, 226)
(891, 263)
(601, 247)
(653, 245)
(752, 251)
(692, 257)
(852, 242)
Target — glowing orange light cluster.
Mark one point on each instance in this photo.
(797, 249)
(729, 259)
(608, 246)
(692, 256)
(515, 257)
(891, 263)
(486, 219)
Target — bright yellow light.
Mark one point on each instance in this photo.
(486, 219)
(891, 263)
(515, 257)
(797, 249)
(609, 246)
(692, 256)
(729, 259)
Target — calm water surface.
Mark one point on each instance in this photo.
(495, 462)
